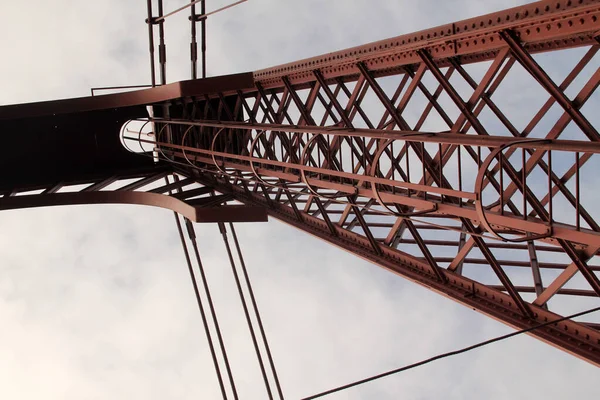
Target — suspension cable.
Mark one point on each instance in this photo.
(200, 306)
(223, 231)
(193, 42)
(451, 353)
(199, 301)
(150, 43)
(203, 43)
(192, 236)
(256, 311)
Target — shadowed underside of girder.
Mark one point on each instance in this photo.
(463, 158)
(68, 152)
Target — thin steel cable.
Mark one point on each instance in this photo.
(256, 311)
(245, 306)
(177, 10)
(200, 307)
(192, 236)
(203, 32)
(198, 299)
(162, 49)
(151, 43)
(203, 15)
(451, 353)
(193, 42)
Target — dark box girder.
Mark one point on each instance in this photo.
(45, 143)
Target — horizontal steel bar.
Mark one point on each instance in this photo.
(412, 136)
(568, 292)
(531, 225)
(512, 263)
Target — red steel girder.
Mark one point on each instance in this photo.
(304, 170)
(541, 26)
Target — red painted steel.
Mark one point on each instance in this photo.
(154, 95)
(193, 212)
(198, 204)
(328, 148)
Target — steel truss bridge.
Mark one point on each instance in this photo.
(398, 151)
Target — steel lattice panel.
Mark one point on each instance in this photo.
(401, 152)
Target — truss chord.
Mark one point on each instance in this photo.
(449, 354)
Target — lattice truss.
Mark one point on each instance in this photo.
(464, 158)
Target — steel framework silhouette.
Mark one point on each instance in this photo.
(397, 151)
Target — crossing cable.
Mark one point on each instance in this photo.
(256, 311)
(451, 353)
(223, 231)
(199, 301)
(192, 236)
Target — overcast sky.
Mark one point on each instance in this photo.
(96, 303)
